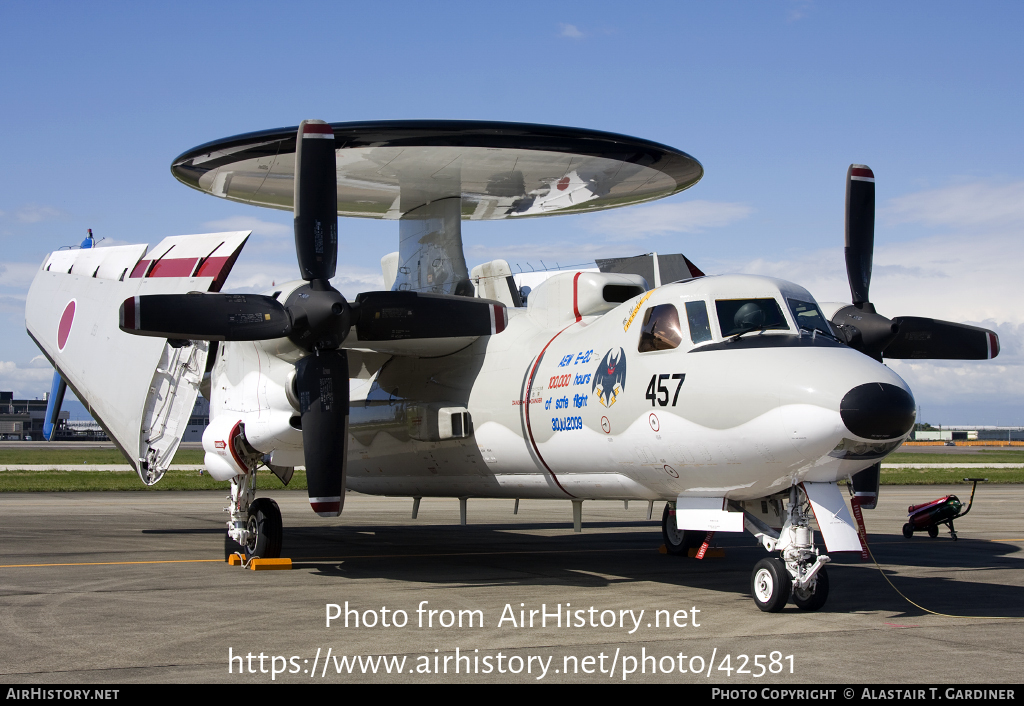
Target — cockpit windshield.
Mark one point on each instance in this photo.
(808, 316)
(736, 316)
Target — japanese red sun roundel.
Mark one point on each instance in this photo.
(64, 328)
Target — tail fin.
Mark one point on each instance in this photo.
(53, 404)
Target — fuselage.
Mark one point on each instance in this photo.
(648, 398)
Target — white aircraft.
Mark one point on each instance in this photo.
(738, 400)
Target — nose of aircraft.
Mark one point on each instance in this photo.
(878, 410)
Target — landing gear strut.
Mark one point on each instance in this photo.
(255, 528)
(800, 570)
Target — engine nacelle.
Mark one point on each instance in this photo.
(224, 444)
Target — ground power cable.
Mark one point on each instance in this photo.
(864, 538)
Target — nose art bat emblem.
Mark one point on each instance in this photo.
(610, 377)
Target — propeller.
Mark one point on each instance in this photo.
(316, 317)
(902, 336)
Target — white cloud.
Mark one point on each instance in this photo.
(13, 303)
(966, 383)
(571, 31)
(17, 274)
(799, 9)
(951, 277)
(256, 225)
(33, 213)
(24, 382)
(971, 276)
(659, 219)
(262, 276)
(547, 254)
(974, 205)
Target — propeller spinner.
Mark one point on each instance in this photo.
(902, 336)
(316, 317)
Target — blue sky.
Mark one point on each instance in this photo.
(775, 99)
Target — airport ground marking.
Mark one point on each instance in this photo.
(113, 563)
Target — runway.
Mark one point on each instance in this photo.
(131, 587)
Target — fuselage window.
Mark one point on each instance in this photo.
(808, 316)
(697, 317)
(740, 315)
(661, 330)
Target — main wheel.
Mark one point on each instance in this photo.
(265, 529)
(678, 542)
(770, 585)
(933, 531)
(231, 547)
(908, 530)
(806, 599)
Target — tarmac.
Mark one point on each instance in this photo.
(131, 587)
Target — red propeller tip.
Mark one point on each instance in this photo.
(861, 172)
(317, 130)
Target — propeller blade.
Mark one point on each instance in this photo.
(205, 317)
(860, 232)
(316, 200)
(321, 381)
(389, 316)
(941, 340)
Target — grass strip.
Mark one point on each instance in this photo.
(965, 459)
(950, 476)
(74, 481)
(68, 457)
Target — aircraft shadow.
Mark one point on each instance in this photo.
(624, 552)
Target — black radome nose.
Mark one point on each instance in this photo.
(878, 410)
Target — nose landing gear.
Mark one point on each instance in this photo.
(799, 572)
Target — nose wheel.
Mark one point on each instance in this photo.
(812, 597)
(770, 585)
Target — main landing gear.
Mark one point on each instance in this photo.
(799, 572)
(678, 542)
(255, 528)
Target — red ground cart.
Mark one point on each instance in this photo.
(927, 517)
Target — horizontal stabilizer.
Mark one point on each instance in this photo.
(670, 268)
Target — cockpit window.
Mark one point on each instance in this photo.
(808, 316)
(661, 330)
(739, 315)
(700, 325)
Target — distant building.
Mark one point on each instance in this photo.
(971, 433)
(22, 420)
(199, 420)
